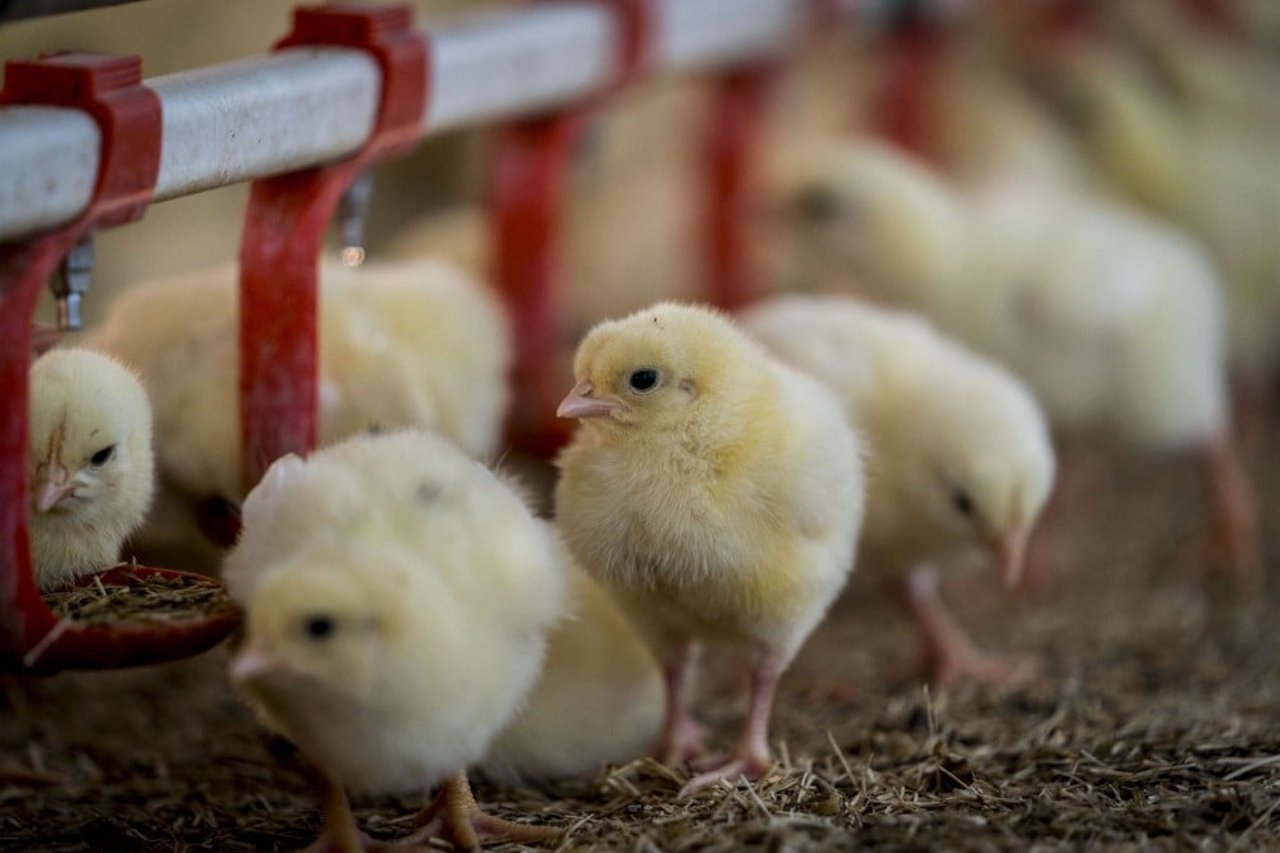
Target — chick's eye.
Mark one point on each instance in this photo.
(319, 627)
(103, 456)
(963, 503)
(645, 379)
(819, 204)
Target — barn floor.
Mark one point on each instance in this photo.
(1155, 725)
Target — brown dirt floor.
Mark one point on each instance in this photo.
(1155, 725)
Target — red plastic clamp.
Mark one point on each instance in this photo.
(526, 194)
(284, 234)
(129, 117)
(731, 155)
(108, 88)
(905, 106)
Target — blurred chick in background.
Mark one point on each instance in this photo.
(398, 597)
(718, 492)
(1205, 160)
(1113, 320)
(959, 455)
(401, 344)
(91, 465)
(598, 700)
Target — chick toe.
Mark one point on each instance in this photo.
(949, 656)
(742, 764)
(455, 817)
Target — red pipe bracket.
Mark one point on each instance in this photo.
(731, 154)
(128, 115)
(529, 180)
(284, 232)
(906, 104)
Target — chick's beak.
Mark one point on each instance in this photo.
(580, 404)
(52, 485)
(253, 661)
(1010, 551)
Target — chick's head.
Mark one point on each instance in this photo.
(986, 476)
(872, 213)
(90, 441)
(316, 628)
(662, 368)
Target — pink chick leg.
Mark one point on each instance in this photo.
(1233, 545)
(949, 655)
(682, 735)
(750, 758)
(455, 817)
(340, 834)
(1254, 405)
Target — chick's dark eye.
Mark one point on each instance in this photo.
(818, 204)
(962, 502)
(644, 379)
(319, 627)
(103, 456)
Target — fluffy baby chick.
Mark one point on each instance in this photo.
(406, 344)
(91, 463)
(398, 597)
(1212, 172)
(718, 492)
(959, 454)
(598, 700)
(1115, 321)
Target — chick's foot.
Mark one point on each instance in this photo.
(966, 664)
(682, 736)
(681, 740)
(950, 657)
(340, 834)
(748, 764)
(750, 758)
(455, 817)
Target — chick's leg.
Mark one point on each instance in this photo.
(750, 758)
(1233, 545)
(339, 834)
(455, 817)
(682, 735)
(950, 656)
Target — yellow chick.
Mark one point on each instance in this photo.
(91, 463)
(959, 454)
(598, 700)
(398, 597)
(1214, 77)
(409, 344)
(718, 493)
(1114, 320)
(1207, 168)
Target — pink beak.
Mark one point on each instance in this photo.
(53, 485)
(580, 404)
(252, 662)
(1010, 549)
